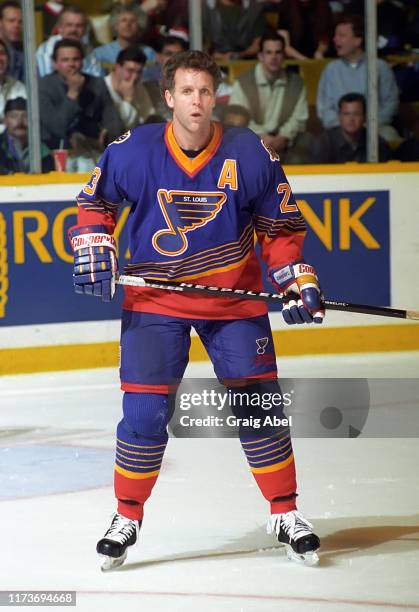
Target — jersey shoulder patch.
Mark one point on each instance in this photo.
(273, 155)
(121, 138)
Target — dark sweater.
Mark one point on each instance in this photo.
(61, 116)
(331, 147)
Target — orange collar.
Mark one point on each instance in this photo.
(193, 166)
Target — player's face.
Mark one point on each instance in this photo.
(345, 41)
(68, 61)
(11, 24)
(271, 56)
(351, 117)
(72, 26)
(192, 99)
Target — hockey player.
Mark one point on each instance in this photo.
(197, 195)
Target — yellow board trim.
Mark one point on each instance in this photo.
(135, 475)
(353, 168)
(54, 178)
(273, 468)
(299, 342)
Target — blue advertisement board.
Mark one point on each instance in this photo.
(348, 242)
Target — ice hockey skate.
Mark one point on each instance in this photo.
(112, 548)
(296, 533)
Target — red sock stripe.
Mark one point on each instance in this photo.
(281, 483)
(132, 490)
(139, 388)
(243, 382)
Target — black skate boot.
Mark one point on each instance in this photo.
(122, 533)
(293, 530)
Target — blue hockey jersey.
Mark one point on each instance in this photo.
(194, 219)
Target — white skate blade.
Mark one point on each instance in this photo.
(111, 563)
(308, 558)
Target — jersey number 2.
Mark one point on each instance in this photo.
(90, 187)
(285, 206)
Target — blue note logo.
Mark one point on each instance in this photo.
(262, 343)
(184, 211)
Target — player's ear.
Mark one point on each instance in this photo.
(169, 99)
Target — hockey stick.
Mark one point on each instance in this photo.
(137, 281)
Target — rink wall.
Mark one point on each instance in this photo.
(363, 239)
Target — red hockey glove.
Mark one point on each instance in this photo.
(299, 279)
(95, 262)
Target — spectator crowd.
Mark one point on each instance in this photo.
(99, 76)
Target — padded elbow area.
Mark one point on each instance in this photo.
(146, 415)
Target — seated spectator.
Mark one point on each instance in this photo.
(11, 34)
(276, 100)
(231, 30)
(127, 30)
(169, 46)
(348, 141)
(72, 101)
(235, 115)
(348, 74)
(126, 90)
(71, 24)
(9, 87)
(409, 149)
(392, 20)
(14, 152)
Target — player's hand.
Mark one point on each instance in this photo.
(95, 262)
(305, 306)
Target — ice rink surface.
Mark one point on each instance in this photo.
(203, 545)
